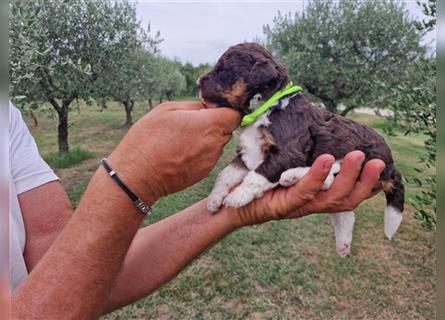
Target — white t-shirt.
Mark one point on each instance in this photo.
(28, 171)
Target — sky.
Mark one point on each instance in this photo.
(200, 31)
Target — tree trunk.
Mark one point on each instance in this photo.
(62, 129)
(331, 106)
(346, 110)
(160, 99)
(128, 108)
(102, 105)
(34, 118)
(150, 103)
(169, 96)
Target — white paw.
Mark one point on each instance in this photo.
(393, 218)
(239, 198)
(253, 186)
(287, 179)
(336, 166)
(216, 197)
(343, 224)
(291, 176)
(214, 202)
(344, 249)
(330, 178)
(229, 177)
(328, 182)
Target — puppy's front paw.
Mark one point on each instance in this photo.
(215, 199)
(213, 203)
(253, 186)
(238, 198)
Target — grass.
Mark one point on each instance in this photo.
(67, 159)
(278, 270)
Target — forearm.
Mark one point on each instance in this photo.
(162, 250)
(75, 276)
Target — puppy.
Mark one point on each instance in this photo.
(279, 147)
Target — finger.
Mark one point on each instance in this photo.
(346, 178)
(361, 190)
(183, 105)
(308, 186)
(226, 118)
(368, 179)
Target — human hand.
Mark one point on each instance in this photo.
(349, 189)
(172, 147)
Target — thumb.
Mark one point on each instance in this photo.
(306, 189)
(226, 118)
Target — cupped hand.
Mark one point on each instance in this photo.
(351, 186)
(172, 147)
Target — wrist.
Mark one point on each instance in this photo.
(139, 178)
(231, 217)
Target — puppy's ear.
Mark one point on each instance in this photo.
(266, 77)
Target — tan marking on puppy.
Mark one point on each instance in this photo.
(267, 140)
(387, 186)
(237, 93)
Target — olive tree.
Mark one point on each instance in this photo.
(171, 81)
(414, 111)
(124, 77)
(341, 51)
(191, 74)
(59, 49)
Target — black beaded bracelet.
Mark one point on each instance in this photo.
(141, 205)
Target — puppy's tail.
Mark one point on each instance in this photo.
(395, 199)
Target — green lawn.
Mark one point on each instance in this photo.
(279, 270)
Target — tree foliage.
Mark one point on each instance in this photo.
(124, 77)
(414, 106)
(59, 50)
(191, 74)
(342, 51)
(171, 80)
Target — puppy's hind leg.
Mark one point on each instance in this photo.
(228, 178)
(343, 224)
(291, 176)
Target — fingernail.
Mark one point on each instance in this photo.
(328, 164)
(360, 164)
(382, 167)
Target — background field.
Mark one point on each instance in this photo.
(279, 270)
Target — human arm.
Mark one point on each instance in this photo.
(75, 275)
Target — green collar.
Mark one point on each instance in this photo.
(287, 90)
